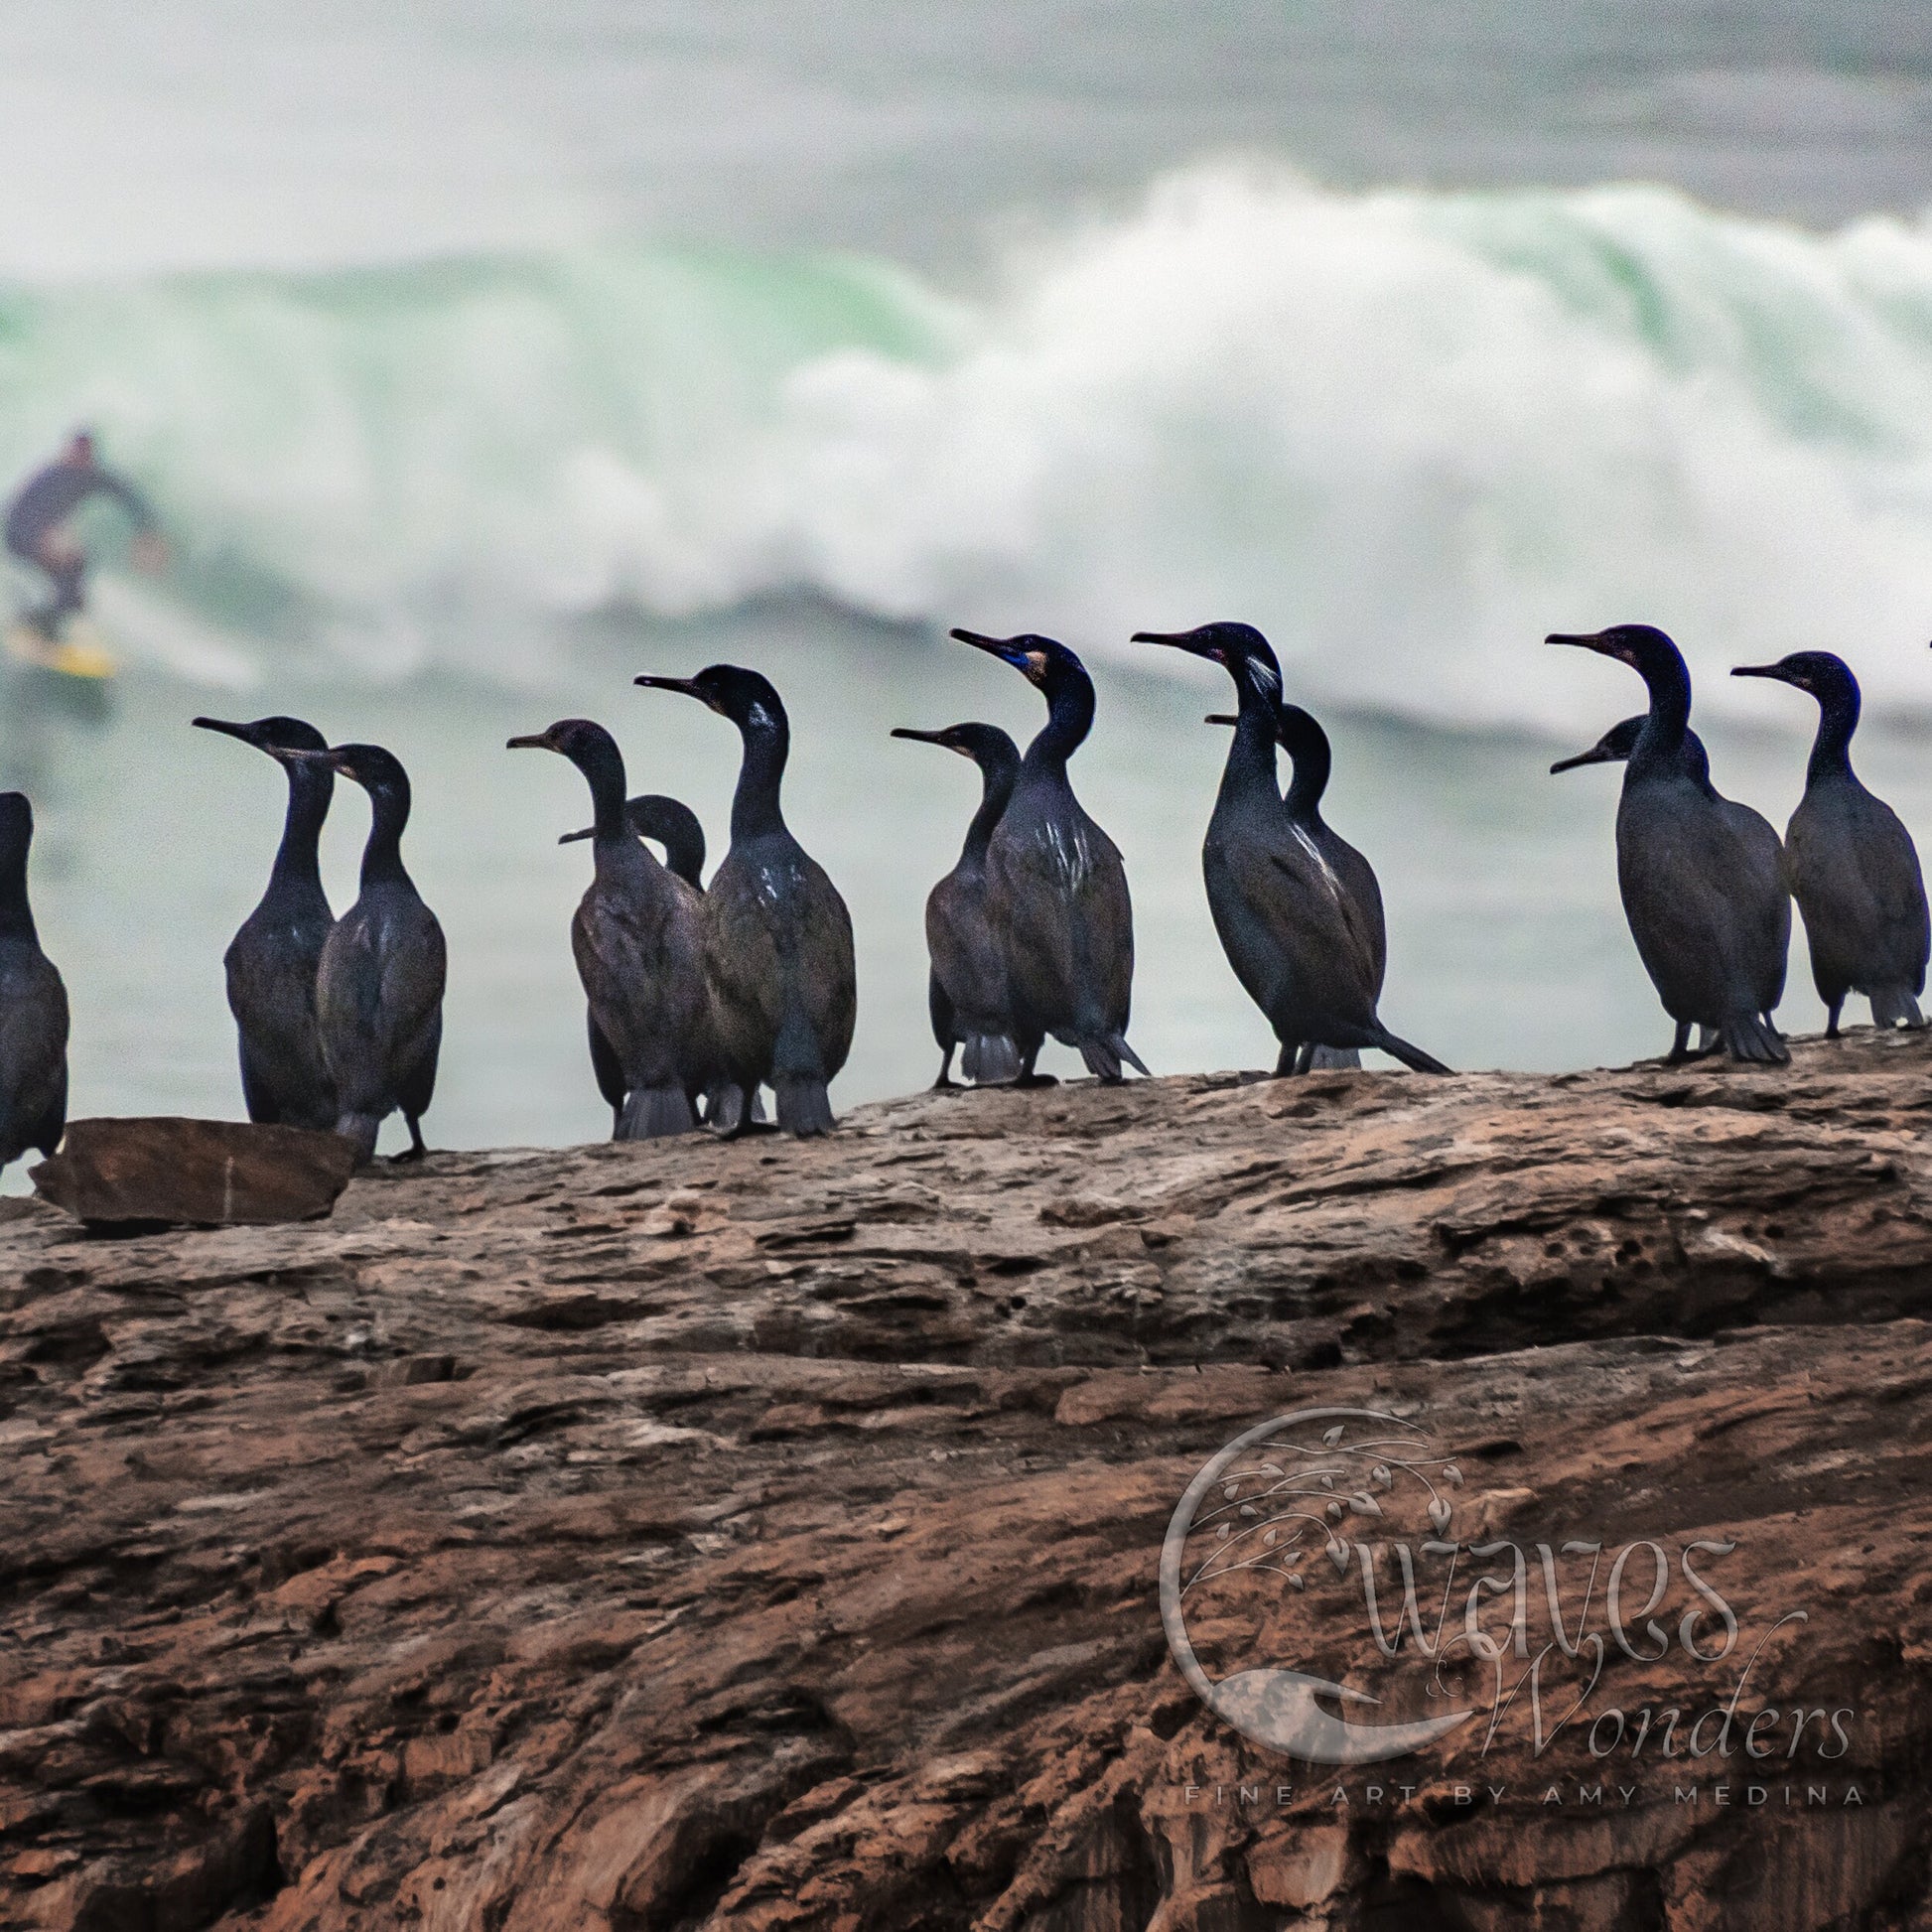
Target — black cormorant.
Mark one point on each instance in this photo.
(1294, 915)
(778, 937)
(672, 824)
(675, 826)
(379, 985)
(640, 950)
(1853, 866)
(32, 1005)
(1613, 748)
(1700, 877)
(966, 987)
(1056, 883)
(271, 962)
(1301, 736)
(1616, 746)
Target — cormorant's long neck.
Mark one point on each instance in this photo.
(298, 859)
(684, 855)
(996, 788)
(1306, 744)
(1830, 749)
(382, 856)
(1069, 716)
(754, 804)
(1669, 686)
(16, 915)
(1250, 770)
(602, 768)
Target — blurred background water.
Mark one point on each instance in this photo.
(479, 356)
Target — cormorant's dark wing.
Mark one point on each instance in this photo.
(33, 1048)
(1058, 893)
(271, 974)
(417, 1086)
(968, 960)
(1889, 865)
(379, 996)
(1705, 897)
(640, 953)
(415, 968)
(605, 1065)
(778, 956)
(1364, 890)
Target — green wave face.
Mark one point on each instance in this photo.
(340, 443)
(1405, 432)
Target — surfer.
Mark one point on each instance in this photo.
(37, 530)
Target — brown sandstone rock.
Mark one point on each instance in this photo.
(198, 1172)
(754, 1536)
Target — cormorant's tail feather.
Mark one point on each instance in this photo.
(1413, 1057)
(804, 1107)
(651, 1113)
(1750, 1036)
(989, 1059)
(1334, 1056)
(1102, 1061)
(1104, 1056)
(361, 1131)
(1894, 1005)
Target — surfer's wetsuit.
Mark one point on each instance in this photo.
(36, 530)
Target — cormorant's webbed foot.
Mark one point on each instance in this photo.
(1036, 1080)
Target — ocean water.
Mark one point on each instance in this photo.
(480, 357)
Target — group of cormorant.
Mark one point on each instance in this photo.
(700, 996)
(1707, 885)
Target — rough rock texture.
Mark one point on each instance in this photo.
(204, 1172)
(766, 1536)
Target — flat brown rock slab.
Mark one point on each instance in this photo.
(174, 1172)
(764, 1536)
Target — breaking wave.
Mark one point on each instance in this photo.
(1406, 432)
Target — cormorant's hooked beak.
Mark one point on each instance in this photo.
(689, 686)
(1197, 644)
(940, 739)
(571, 838)
(536, 742)
(1594, 755)
(1030, 665)
(241, 731)
(1221, 718)
(1776, 671)
(1002, 647)
(1597, 640)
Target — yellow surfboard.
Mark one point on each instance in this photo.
(79, 653)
